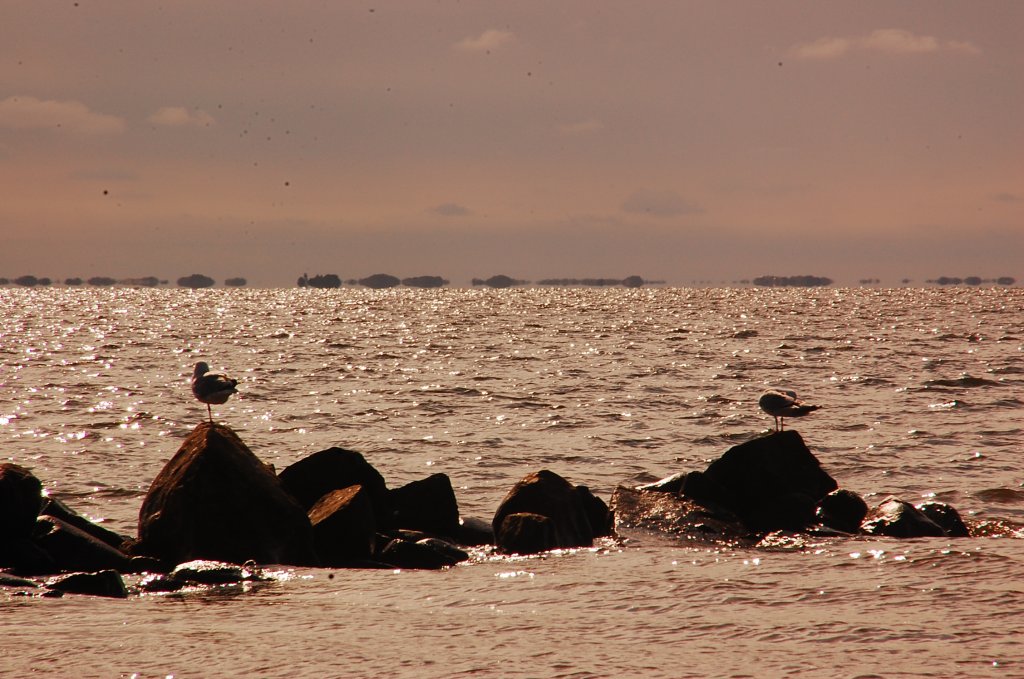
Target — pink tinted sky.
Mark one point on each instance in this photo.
(684, 141)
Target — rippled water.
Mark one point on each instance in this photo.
(921, 393)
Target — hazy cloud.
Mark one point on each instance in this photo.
(489, 40)
(30, 113)
(179, 116)
(889, 40)
(589, 126)
(451, 210)
(1006, 197)
(659, 204)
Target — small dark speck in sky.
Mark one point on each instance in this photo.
(106, 192)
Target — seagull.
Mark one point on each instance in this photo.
(783, 403)
(210, 387)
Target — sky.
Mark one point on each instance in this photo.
(677, 140)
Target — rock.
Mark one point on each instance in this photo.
(602, 523)
(547, 494)
(428, 505)
(946, 517)
(771, 483)
(842, 510)
(670, 484)
(24, 556)
(57, 509)
(215, 500)
(474, 532)
(21, 498)
(900, 519)
(72, 549)
(8, 580)
(344, 527)
(103, 583)
(210, 572)
(314, 476)
(526, 533)
(417, 555)
(636, 509)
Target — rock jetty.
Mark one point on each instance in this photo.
(216, 512)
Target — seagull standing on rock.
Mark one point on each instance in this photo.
(210, 387)
(783, 403)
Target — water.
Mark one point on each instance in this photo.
(922, 399)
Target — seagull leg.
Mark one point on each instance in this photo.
(209, 412)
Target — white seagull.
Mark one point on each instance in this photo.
(783, 403)
(210, 387)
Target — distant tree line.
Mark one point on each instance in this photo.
(377, 281)
(194, 281)
(792, 281)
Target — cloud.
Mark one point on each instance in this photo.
(887, 40)
(659, 204)
(489, 40)
(451, 210)
(589, 126)
(822, 48)
(29, 113)
(179, 116)
(1007, 197)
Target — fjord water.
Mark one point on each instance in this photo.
(921, 394)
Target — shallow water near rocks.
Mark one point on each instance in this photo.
(921, 394)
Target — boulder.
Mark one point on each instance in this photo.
(670, 484)
(216, 500)
(72, 549)
(653, 511)
(547, 494)
(946, 517)
(344, 527)
(56, 508)
(771, 483)
(428, 505)
(899, 519)
(314, 476)
(526, 533)
(474, 532)
(21, 498)
(102, 583)
(842, 510)
(602, 522)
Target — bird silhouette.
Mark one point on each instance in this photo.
(783, 403)
(210, 387)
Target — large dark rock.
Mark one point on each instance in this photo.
(770, 483)
(21, 498)
(216, 500)
(314, 476)
(526, 533)
(344, 527)
(899, 519)
(428, 505)
(547, 494)
(842, 510)
(72, 549)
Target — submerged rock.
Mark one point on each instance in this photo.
(899, 519)
(842, 510)
(108, 583)
(216, 500)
